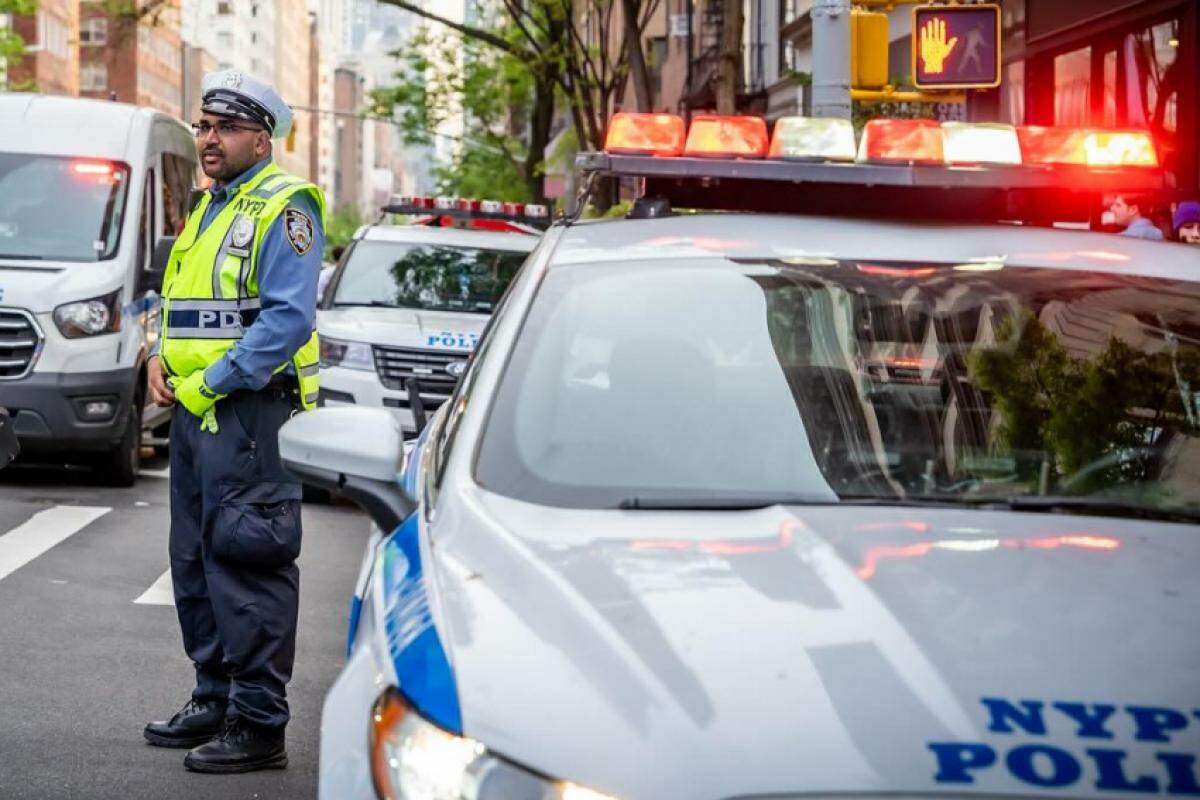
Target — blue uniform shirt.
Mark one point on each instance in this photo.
(287, 288)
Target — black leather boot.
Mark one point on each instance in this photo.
(242, 747)
(197, 722)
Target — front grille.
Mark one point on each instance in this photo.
(19, 343)
(396, 365)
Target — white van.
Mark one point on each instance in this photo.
(92, 195)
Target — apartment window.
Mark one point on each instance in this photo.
(1072, 86)
(51, 35)
(93, 31)
(253, 38)
(224, 7)
(93, 77)
(224, 40)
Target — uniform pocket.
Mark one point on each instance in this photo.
(257, 525)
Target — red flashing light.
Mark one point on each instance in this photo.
(514, 209)
(896, 272)
(645, 135)
(92, 168)
(919, 141)
(1086, 147)
(713, 136)
(422, 202)
(468, 204)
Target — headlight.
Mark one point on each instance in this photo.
(89, 317)
(351, 355)
(412, 759)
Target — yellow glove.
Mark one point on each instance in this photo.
(197, 398)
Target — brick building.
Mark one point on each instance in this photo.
(132, 60)
(51, 61)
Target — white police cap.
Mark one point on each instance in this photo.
(233, 93)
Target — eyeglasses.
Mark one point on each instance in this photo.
(223, 129)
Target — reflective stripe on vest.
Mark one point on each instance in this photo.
(211, 319)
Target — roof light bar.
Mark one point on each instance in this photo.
(980, 143)
(813, 138)
(916, 141)
(485, 214)
(715, 136)
(645, 134)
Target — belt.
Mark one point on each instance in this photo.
(280, 385)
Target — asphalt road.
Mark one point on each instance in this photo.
(83, 666)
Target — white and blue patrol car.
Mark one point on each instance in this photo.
(779, 506)
(407, 303)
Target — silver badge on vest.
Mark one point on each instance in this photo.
(241, 236)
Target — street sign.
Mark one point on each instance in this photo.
(956, 47)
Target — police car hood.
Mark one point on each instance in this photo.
(819, 650)
(402, 327)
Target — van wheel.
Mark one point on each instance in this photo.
(119, 466)
(162, 432)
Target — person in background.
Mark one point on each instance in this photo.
(1131, 212)
(1186, 222)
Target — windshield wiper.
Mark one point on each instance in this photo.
(16, 257)
(1099, 506)
(367, 304)
(726, 503)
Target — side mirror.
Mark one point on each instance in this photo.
(151, 278)
(357, 452)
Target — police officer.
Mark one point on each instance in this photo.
(237, 356)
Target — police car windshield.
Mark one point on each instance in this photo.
(425, 276)
(642, 385)
(60, 209)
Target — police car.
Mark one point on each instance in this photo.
(406, 305)
(890, 492)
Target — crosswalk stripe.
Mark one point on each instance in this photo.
(160, 593)
(42, 531)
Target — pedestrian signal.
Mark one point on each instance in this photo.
(956, 47)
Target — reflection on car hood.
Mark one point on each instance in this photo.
(720, 655)
(403, 327)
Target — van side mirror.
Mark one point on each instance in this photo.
(151, 278)
(357, 452)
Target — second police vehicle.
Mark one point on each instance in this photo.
(863, 482)
(405, 308)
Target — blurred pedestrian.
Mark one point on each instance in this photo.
(1186, 222)
(1132, 212)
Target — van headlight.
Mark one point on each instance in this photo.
(413, 759)
(89, 317)
(351, 355)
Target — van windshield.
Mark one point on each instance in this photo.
(60, 209)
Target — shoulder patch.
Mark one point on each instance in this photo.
(299, 230)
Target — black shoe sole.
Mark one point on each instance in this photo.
(176, 743)
(274, 762)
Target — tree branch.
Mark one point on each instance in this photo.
(466, 30)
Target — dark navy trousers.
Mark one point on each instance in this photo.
(235, 536)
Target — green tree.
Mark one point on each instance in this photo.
(340, 228)
(492, 89)
(582, 52)
(12, 46)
